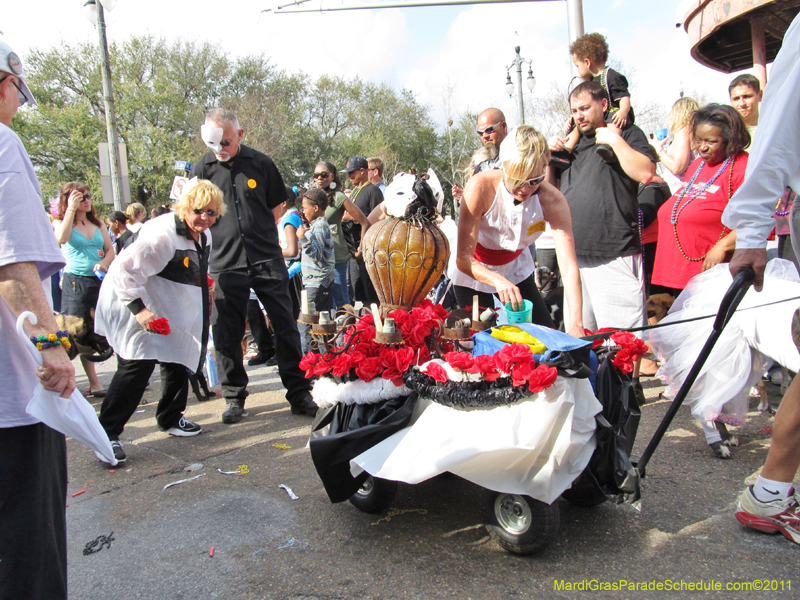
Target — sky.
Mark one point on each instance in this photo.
(455, 55)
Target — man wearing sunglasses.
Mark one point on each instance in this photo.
(366, 196)
(246, 254)
(602, 198)
(492, 130)
(33, 457)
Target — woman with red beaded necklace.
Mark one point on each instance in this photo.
(691, 236)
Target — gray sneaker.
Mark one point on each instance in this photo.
(234, 412)
(119, 453)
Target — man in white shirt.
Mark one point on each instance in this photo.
(771, 505)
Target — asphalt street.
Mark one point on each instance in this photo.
(431, 544)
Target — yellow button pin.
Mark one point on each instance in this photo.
(251, 183)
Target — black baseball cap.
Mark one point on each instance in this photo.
(356, 163)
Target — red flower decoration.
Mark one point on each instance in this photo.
(623, 360)
(423, 355)
(404, 358)
(401, 318)
(631, 343)
(510, 354)
(322, 367)
(307, 363)
(341, 365)
(599, 341)
(462, 361)
(436, 371)
(159, 326)
(485, 363)
(369, 368)
(521, 372)
(541, 377)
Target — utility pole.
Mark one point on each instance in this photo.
(111, 115)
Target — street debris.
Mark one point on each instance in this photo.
(282, 446)
(211, 552)
(293, 543)
(240, 470)
(183, 481)
(78, 493)
(289, 491)
(394, 512)
(194, 467)
(98, 543)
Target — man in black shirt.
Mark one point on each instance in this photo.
(602, 198)
(246, 254)
(366, 196)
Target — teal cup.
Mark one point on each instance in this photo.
(519, 316)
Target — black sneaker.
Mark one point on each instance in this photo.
(119, 453)
(304, 405)
(260, 359)
(185, 428)
(234, 412)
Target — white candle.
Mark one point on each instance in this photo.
(304, 302)
(377, 316)
(324, 318)
(487, 315)
(475, 308)
(312, 309)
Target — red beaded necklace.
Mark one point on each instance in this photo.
(676, 210)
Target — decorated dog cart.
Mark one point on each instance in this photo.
(409, 391)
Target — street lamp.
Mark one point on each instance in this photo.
(530, 82)
(95, 14)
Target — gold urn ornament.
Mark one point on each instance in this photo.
(405, 256)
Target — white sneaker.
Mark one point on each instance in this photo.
(781, 515)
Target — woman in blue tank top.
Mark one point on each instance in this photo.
(88, 251)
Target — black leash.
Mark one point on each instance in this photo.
(607, 334)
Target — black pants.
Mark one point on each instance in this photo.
(33, 524)
(127, 388)
(365, 291)
(270, 282)
(295, 290)
(258, 327)
(322, 297)
(540, 315)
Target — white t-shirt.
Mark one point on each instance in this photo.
(25, 236)
(506, 226)
(774, 159)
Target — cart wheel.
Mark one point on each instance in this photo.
(374, 495)
(584, 493)
(520, 524)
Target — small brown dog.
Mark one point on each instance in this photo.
(658, 306)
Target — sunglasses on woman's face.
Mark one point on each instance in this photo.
(322, 175)
(200, 211)
(534, 181)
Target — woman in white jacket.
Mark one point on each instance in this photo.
(162, 275)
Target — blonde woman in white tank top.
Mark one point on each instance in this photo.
(502, 213)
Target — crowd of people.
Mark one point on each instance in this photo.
(618, 216)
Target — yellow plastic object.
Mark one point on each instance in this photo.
(515, 335)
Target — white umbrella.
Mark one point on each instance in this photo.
(72, 416)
